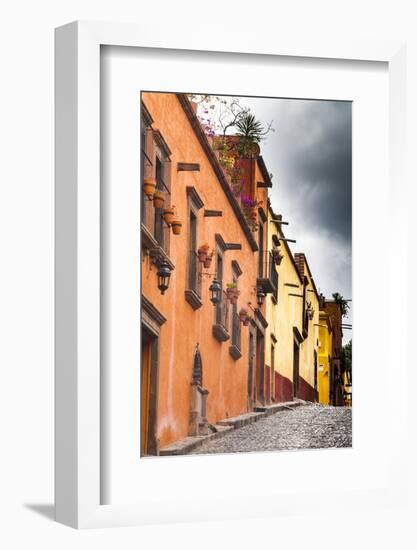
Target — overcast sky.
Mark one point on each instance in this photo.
(309, 155)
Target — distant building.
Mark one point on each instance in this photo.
(325, 356)
(337, 372)
(292, 315)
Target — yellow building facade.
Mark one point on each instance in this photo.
(292, 315)
(325, 357)
(308, 379)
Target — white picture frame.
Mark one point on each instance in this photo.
(78, 426)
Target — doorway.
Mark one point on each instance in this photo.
(250, 368)
(260, 368)
(296, 368)
(149, 358)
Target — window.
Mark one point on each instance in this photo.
(261, 249)
(221, 322)
(155, 165)
(158, 212)
(146, 166)
(235, 321)
(220, 305)
(193, 282)
(192, 254)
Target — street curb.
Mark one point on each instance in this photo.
(185, 446)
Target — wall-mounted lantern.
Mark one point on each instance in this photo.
(260, 295)
(215, 291)
(164, 273)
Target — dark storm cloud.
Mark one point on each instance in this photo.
(312, 143)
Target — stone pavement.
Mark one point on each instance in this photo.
(305, 427)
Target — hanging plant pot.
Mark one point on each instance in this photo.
(149, 187)
(207, 261)
(278, 257)
(169, 215)
(246, 321)
(158, 199)
(232, 294)
(202, 256)
(176, 227)
(243, 314)
(202, 253)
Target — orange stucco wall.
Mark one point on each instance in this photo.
(224, 377)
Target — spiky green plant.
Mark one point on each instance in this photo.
(248, 127)
(342, 303)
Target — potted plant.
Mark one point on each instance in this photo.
(243, 314)
(158, 199)
(176, 227)
(202, 252)
(277, 256)
(149, 187)
(169, 214)
(246, 321)
(207, 261)
(232, 293)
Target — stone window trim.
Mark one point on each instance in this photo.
(220, 328)
(193, 295)
(235, 348)
(151, 317)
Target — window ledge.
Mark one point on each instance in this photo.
(220, 333)
(156, 252)
(235, 352)
(193, 299)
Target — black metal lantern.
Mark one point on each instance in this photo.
(164, 273)
(215, 291)
(260, 295)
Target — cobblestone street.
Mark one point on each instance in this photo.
(305, 427)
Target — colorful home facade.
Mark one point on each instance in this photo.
(292, 316)
(200, 364)
(230, 317)
(337, 374)
(325, 357)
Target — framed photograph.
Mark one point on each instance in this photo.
(223, 218)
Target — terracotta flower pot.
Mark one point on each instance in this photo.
(232, 295)
(207, 261)
(243, 314)
(158, 199)
(202, 256)
(203, 252)
(176, 227)
(149, 187)
(169, 215)
(229, 293)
